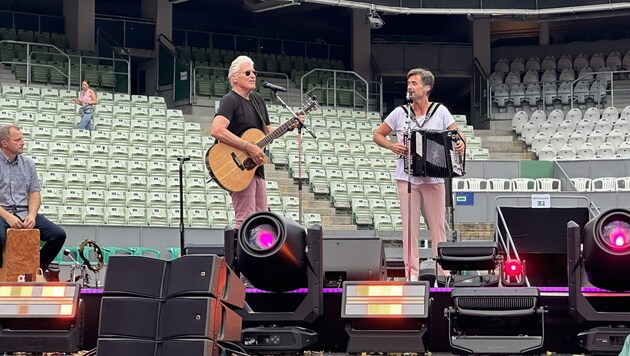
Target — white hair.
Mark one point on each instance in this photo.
(236, 64)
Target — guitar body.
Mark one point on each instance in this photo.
(230, 167)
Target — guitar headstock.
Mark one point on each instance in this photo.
(310, 105)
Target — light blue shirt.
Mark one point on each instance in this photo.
(17, 179)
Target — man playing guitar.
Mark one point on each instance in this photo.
(239, 110)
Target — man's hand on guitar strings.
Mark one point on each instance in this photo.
(256, 153)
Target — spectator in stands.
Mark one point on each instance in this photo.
(242, 109)
(429, 191)
(20, 196)
(87, 100)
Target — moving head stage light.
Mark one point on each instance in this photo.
(275, 254)
(601, 254)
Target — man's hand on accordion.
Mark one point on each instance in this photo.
(460, 147)
(398, 148)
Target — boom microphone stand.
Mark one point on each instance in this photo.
(301, 125)
(408, 159)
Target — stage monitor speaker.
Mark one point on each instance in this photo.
(195, 347)
(134, 275)
(199, 318)
(353, 259)
(204, 275)
(204, 249)
(468, 255)
(126, 347)
(129, 317)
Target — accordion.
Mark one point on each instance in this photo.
(433, 155)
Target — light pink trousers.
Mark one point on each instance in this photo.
(433, 199)
(250, 200)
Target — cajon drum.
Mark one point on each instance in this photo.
(21, 254)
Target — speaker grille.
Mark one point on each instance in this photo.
(496, 303)
(467, 252)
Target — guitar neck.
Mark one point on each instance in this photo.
(281, 130)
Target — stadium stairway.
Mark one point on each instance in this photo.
(331, 220)
(502, 143)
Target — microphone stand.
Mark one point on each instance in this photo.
(299, 138)
(408, 158)
(182, 160)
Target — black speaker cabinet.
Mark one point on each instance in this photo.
(129, 317)
(353, 259)
(126, 347)
(199, 317)
(181, 347)
(134, 275)
(205, 275)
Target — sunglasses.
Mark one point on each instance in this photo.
(248, 72)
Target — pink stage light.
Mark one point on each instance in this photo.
(263, 237)
(618, 234)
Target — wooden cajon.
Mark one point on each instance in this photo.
(20, 255)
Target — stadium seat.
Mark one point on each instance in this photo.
(548, 63)
(606, 150)
(586, 151)
(547, 153)
(566, 152)
(519, 120)
(613, 60)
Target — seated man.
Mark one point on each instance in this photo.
(20, 198)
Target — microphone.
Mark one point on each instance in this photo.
(274, 87)
(408, 97)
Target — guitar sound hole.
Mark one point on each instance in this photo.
(249, 164)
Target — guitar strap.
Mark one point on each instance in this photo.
(256, 103)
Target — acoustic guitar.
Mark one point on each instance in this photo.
(231, 167)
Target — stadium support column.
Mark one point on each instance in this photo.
(161, 11)
(543, 33)
(481, 43)
(361, 43)
(79, 23)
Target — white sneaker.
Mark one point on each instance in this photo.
(413, 278)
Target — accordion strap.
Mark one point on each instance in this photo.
(432, 108)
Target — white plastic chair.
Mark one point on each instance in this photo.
(499, 184)
(548, 184)
(581, 184)
(604, 184)
(523, 184)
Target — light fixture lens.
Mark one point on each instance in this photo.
(617, 233)
(513, 267)
(263, 237)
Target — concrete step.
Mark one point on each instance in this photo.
(339, 227)
(317, 204)
(490, 133)
(512, 156)
(329, 212)
(506, 149)
(500, 140)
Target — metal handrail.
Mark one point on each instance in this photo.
(28, 59)
(335, 72)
